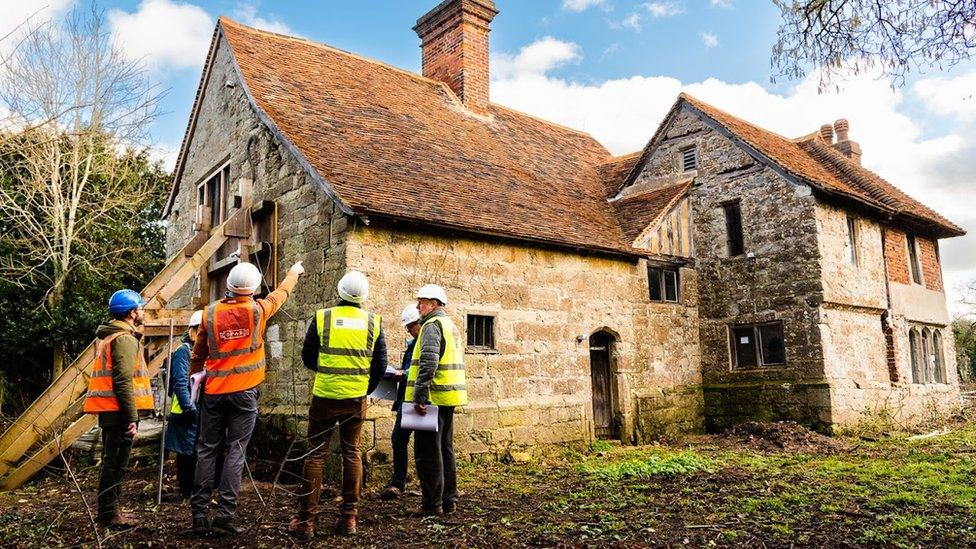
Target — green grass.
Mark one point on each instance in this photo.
(680, 463)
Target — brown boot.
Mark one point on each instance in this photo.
(425, 512)
(119, 520)
(391, 492)
(301, 529)
(346, 526)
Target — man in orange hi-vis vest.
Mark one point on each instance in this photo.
(118, 389)
(230, 346)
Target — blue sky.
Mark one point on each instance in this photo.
(608, 67)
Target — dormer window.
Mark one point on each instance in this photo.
(689, 158)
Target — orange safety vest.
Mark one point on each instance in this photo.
(236, 341)
(101, 396)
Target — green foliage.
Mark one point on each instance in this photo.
(600, 446)
(964, 331)
(680, 463)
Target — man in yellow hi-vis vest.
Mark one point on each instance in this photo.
(346, 349)
(436, 377)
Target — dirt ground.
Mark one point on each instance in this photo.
(773, 485)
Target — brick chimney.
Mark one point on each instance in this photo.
(848, 148)
(454, 40)
(827, 134)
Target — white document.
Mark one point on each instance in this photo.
(195, 381)
(386, 390)
(416, 422)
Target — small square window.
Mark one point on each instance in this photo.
(481, 331)
(689, 159)
(662, 284)
(744, 347)
(757, 345)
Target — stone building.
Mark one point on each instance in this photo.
(722, 273)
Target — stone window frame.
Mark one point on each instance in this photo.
(683, 157)
(477, 349)
(758, 346)
(853, 240)
(927, 355)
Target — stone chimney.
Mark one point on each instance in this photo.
(848, 148)
(454, 40)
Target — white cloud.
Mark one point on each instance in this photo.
(581, 5)
(165, 153)
(247, 13)
(663, 9)
(14, 13)
(632, 21)
(165, 33)
(724, 4)
(709, 39)
(949, 96)
(932, 164)
(539, 57)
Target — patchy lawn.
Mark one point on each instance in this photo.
(772, 484)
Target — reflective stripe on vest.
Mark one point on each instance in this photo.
(175, 408)
(347, 339)
(101, 394)
(236, 355)
(448, 388)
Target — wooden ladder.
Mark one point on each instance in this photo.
(55, 420)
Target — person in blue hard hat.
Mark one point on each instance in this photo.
(118, 390)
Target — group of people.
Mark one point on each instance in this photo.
(346, 348)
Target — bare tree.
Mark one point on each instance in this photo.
(75, 103)
(893, 37)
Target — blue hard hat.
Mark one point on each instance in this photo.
(124, 301)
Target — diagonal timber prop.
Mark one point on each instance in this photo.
(56, 408)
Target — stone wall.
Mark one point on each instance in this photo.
(780, 282)
(310, 227)
(535, 387)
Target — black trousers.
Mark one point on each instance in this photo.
(115, 458)
(185, 467)
(434, 458)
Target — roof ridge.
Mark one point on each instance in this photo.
(621, 158)
(699, 103)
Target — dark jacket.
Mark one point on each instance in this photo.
(125, 351)
(405, 366)
(311, 346)
(181, 430)
(432, 345)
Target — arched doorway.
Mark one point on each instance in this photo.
(602, 386)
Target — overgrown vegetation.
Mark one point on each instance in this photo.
(707, 491)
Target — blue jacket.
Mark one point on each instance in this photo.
(405, 366)
(181, 429)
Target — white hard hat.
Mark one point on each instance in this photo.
(409, 315)
(433, 291)
(195, 319)
(244, 279)
(354, 287)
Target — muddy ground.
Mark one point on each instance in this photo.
(775, 485)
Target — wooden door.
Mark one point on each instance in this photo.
(602, 389)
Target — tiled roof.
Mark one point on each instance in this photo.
(638, 211)
(392, 143)
(818, 164)
(615, 171)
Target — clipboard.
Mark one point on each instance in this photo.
(416, 422)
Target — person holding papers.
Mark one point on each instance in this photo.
(346, 349)
(436, 385)
(400, 438)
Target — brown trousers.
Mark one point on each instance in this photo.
(325, 416)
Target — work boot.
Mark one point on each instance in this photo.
(201, 526)
(346, 526)
(391, 492)
(449, 507)
(226, 526)
(119, 520)
(426, 512)
(301, 529)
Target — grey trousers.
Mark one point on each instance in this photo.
(433, 455)
(226, 421)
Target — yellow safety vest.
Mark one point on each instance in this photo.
(448, 386)
(175, 408)
(347, 339)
